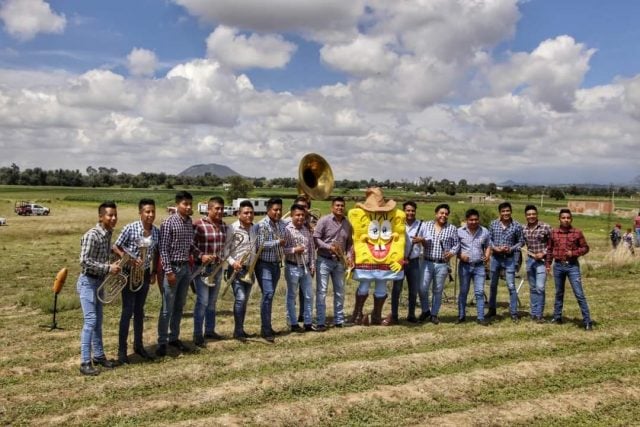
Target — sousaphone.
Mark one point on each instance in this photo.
(315, 177)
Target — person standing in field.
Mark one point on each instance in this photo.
(616, 235)
(627, 240)
(210, 236)
(536, 235)
(564, 248)
(95, 248)
(506, 241)
(134, 236)
(474, 254)
(637, 227)
(176, 245)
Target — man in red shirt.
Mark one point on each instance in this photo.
(564, 247)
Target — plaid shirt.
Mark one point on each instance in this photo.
(537, 237)
(474, 245)
(209, 237)
(131, 234)
(176, 241)
(563, 240)
(269, 234)
(95, 248)
(506, 236)
(437, 244)
(299, 236)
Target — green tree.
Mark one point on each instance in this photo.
(239, 187)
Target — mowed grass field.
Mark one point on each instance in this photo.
(446, 374)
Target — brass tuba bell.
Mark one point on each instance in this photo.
(315, 177)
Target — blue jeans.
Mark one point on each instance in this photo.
(91, 335)
(326, 268)
(268, 274)
(205, 308)
(380, 288)
(435, 275)
(173, 300)
(637, 237)
(413, 274)
(572, 271)
(133, 306)
(468, 271)
(499, 262)
(241, 292)
(296, 278)
(536, 276)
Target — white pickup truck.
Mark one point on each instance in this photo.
(23, 208)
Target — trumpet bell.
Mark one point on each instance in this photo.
(315, 177)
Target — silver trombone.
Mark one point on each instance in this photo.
(300, 258)
(235, 241)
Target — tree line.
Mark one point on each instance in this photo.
(110, 177)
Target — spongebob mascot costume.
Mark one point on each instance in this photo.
(378, 244)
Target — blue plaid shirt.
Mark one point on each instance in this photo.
(269, 234)
(511, 235)
(130, 235)
(176, 241)
(437, 244)
(474, 245)
(95, 248)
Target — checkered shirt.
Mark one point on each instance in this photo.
(506, 236)
(209, 237)
(299, 236)
(437, 244)
(269, 234)
(176, 241)
(130, 235)
(95, 247)
(537, 237)
(563, 240)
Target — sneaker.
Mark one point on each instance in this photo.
(161, 351)
(180, 346)
(588, 326)
(104, 362)
(87, 368)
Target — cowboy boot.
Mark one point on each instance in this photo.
(376, 314)
(357, 316)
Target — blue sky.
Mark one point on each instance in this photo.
(387, 89)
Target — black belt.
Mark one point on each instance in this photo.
(294, 263)
(268, 262)
(93, 276)
(436, 261)
(475, 263)
(566, 262)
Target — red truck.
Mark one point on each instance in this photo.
(29, 208)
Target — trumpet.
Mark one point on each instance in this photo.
(300, 258)
(231, 245)
(137, 272)
(113, 284)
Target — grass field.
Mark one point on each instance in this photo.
(504, 374)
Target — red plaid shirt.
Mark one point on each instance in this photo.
(563, 240)
(209, 237)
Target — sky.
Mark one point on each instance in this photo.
(535, 91)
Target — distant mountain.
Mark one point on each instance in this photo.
(220, 171)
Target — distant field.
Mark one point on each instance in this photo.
(517, 374)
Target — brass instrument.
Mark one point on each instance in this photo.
(300, 257)
(113, 284)
(315, 177)
(343, 259)
(137, 272)
(243, 259)
(229, 246)
(280, 249)
(249, 275)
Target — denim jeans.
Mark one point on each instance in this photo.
(467, 272)
(326, 268)
(413, 274)
(241, 292)
(296, 278)
(380, 288)
(536, 276)
(435, 275)
(499, 262)
(572, 271)
(91, 335)
(205, 308)
(268, 274)
(133, 306)
(173, 300)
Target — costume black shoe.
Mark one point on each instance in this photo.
(213, 336)
(180, 346)
(88, 369)
(104, 362)
(461, 320)
(140, 351)
(161, 351)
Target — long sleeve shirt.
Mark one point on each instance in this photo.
(330, 231)
(131, 238)
(176, 241)
(563, 240)
(268, 234)
(510, 236)
(438, 243)
(537, 237)
(474, 245)
(237, 253)
(209, 237)
(95, 247)
(295, 237)
(415, 229)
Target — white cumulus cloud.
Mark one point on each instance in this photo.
(142, 62)
(24, 19)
